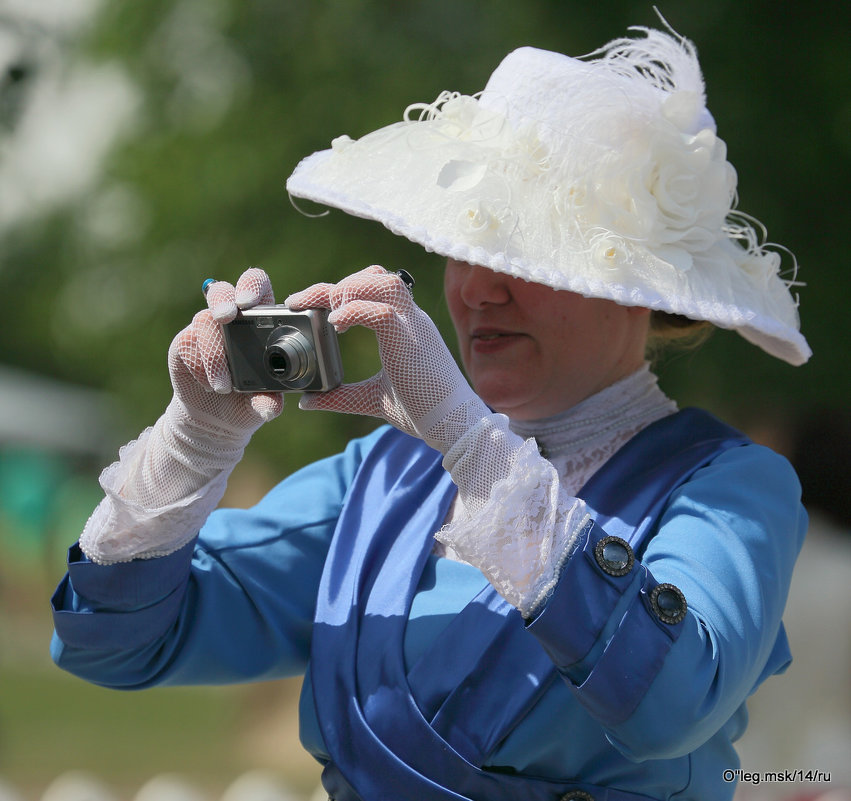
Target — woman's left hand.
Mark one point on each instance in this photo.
(420, 388)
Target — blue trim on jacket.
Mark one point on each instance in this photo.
(728, 541)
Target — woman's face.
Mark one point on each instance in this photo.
(531, 351)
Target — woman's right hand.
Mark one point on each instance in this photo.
(167, 482)
(198, 365)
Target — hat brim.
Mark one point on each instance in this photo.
(383, 177)
(582, 177)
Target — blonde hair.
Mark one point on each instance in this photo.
(675, 332)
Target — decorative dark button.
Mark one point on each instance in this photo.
(577, 795)
(614, 556)
(668, 603)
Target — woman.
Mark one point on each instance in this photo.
(547, 585)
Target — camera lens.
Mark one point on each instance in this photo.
(279, 364)
(289, 357)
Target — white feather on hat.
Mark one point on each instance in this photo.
(602, 176)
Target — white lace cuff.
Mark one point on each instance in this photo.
(521, 531)
(120, 530)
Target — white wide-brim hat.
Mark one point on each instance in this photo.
(601, 176)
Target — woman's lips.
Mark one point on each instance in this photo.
(491, 340)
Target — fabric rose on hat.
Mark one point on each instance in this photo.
(668, 189)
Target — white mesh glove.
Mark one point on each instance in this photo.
(168, 481)
(520, 524)
(420, 389)
(518, 539)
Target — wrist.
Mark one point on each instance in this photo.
(202, 433)
(176, 458)
(483, 456)
(456, 416)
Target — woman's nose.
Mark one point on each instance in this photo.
(481, 286)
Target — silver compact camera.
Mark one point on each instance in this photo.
(273, 349)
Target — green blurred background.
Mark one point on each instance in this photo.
(145, 146)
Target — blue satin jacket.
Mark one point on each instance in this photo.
(597, 694)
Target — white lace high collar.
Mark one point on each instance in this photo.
(578, 441)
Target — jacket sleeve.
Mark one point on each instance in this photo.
(663, 654)
(236, 604)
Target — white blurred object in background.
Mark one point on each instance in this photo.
(78, 786)
(169, 787)
(259, 786)
(69, 112)
(8, 793)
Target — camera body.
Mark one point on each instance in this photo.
(273, 349)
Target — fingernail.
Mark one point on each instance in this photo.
(221, 383)
(246, 298)
(267, 407)
(266, 414)
(223, 312)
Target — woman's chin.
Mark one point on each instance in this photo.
(504, 397)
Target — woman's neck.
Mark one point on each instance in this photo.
(579, 440)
